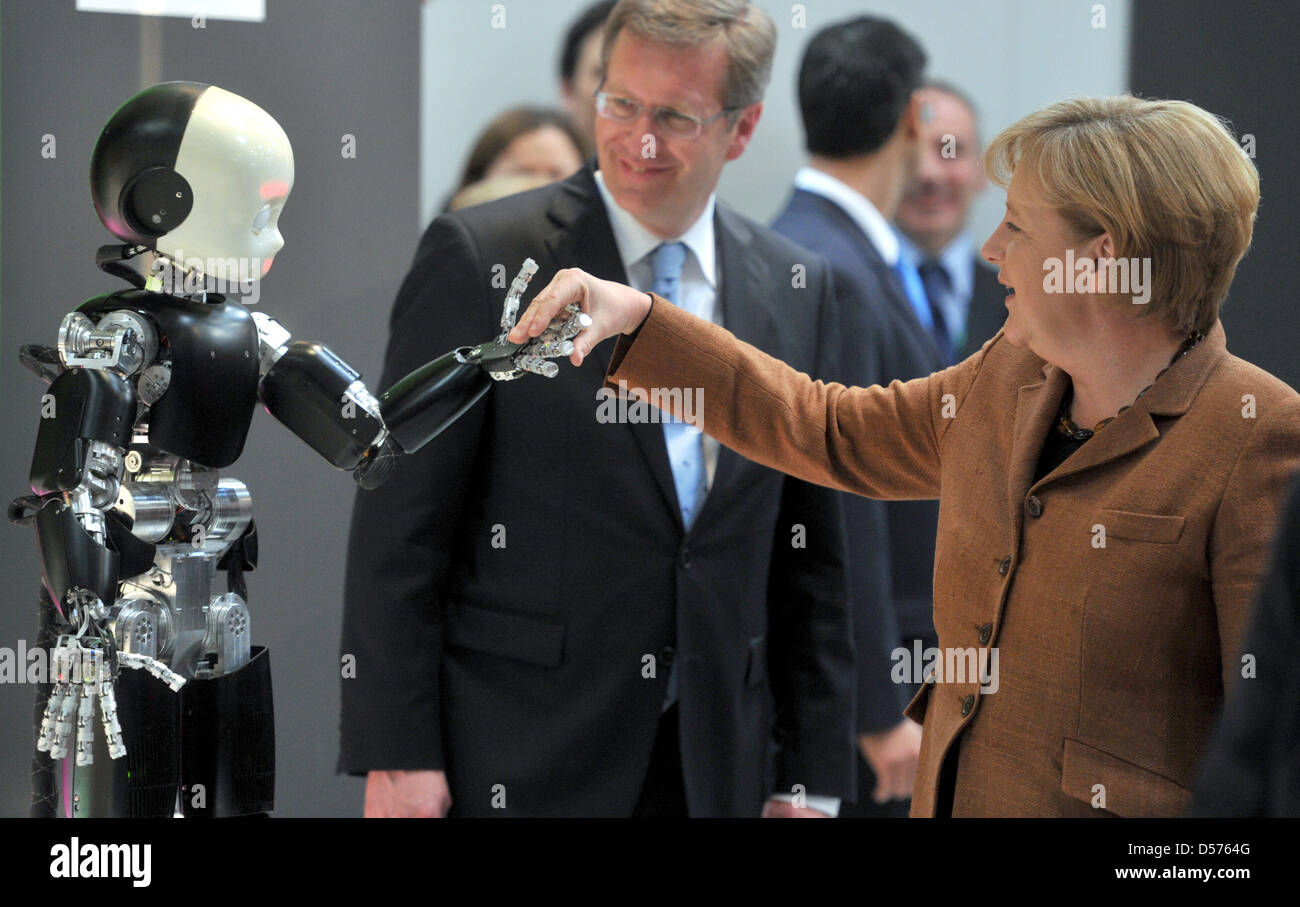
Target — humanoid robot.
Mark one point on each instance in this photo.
(151, 392)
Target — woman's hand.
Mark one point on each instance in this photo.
(613, 307)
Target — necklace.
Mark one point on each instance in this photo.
(1066, 426)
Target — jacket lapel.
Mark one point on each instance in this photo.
(583, 238)
(1037, 406)
(1170, 396)
(748, 308)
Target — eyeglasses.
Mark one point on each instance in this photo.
(672, 122)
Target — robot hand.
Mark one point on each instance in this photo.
(82, 670)
(418, 407)
(505, 361)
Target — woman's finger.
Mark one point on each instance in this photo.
(565, 287)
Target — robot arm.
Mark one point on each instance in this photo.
(322, 400)
(87, 420)
(87, 416)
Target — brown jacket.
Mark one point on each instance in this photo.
(1115, 590)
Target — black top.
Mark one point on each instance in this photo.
(1056, 449)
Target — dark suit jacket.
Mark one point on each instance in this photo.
(507, 585)
(988, 309)
(881, 339)
(1252, 763)
(1115, 589)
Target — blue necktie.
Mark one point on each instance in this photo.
(685, 443)
(937, 283)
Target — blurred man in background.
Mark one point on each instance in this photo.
(857, 84)
(932, 221)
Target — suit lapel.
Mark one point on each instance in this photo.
(583, 238)
(748, 307)
(895, 293)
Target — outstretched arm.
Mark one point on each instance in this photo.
(322, 399)
(881, 442)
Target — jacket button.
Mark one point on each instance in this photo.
(684, 557)
(967, 704)
(986, 631)
(1005, 566)
(1034, 506)
(667, 655)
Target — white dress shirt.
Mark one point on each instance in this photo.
(698, 288)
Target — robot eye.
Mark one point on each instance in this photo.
(261, 218)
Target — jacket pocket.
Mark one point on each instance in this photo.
(1130, 790)
(533, 640)
(756, 665)
(1142, 527)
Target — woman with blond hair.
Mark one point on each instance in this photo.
(1108, 473)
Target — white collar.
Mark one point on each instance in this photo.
(855, 205)
(635, 242)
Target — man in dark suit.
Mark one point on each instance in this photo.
(561, 607)
(856, 87)
(932, 222)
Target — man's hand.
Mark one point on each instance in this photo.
(613, 307)
(780, 809)
(407, 795)
(893, 755)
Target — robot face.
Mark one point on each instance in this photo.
(239, 166)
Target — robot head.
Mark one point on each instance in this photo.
(196, 173)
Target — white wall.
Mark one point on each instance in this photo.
(1011, 56)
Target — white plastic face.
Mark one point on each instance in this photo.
(239, 163)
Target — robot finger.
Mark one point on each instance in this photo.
(551, 349)
(86, 726)
(63, 729)
(537, 366)
(51, 717)
(112, 729)
(511, 311)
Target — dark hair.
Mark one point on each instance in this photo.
(854, 84)
(503, 130)
(590, 21)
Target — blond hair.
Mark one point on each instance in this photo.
(748, 31)
(1166, 179)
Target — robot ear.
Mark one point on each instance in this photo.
(156, 201)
